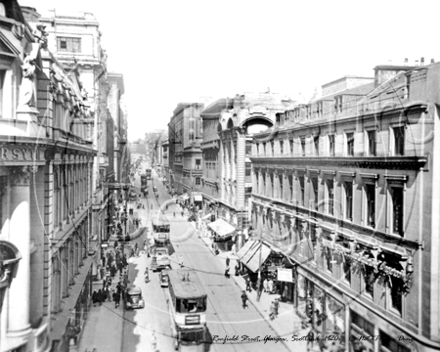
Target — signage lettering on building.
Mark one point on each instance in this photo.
(284, 275)
(13, 154)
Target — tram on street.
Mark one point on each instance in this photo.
(148, 173)
(187, 302)
(162, 248)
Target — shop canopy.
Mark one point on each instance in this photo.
(221, 227)
(249, 254)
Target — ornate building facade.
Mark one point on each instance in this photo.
(238, 120)
(46, 163)
(346, 187)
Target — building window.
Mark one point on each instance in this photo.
(67, 44)
(388, 344)
(346, 267)
(350, 144)
(301, 190)
(191, 136)
(291, 146)
(197, 181)
(315, 193)
(198, 161)
(264, 184)
(280, 180)
(330, 196)
(396, 293)
(370, 194)
(331, 143)
(264, 149)
(290, 179)
(397, 210)
(271, 191)
(303, 146)
(272, 147)
(316, 144)
(371, 143)
(281, 147)
(258, 147)
(399, 140)
(370, 277)
(348, 190)
(247, 171)
(328, 258)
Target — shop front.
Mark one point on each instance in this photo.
(323, 311)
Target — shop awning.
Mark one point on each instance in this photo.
(198, 198)
(221, 227)
(249, 255)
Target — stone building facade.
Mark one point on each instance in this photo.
(46, 165)
(185, 155)
(345, 186)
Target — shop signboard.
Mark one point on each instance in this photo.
(284, 275)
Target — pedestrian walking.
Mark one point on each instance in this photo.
(181, 261)
(100, 297)
(174, 214)
(265, 285)
(116, 298)
(277, 306)
(310, 339)
(182, 213)
(227, 272)
(237, 269)
(272, 311)
(248, 285)
(244, 299)
(227, 261)
(94, 298)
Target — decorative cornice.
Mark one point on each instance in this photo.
(384, 163)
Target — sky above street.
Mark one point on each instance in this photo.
(175, 51)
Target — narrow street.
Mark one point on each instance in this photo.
(225, 314)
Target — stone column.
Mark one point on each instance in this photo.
(19, 292)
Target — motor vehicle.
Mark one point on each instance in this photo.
(192, 218)
(132, 195)
(163, 277)
(133, 298)
(160, 259)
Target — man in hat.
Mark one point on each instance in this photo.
(244, 299)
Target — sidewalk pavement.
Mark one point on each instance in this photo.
(287, 324)
(92, 336)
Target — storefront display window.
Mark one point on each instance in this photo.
(361, 327)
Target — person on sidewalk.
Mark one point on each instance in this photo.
(310, 339)
(272, 311)
(270, 286)
(181, 261)
(244, 299)
(100, 297)
(116, 298)
(265, 285)
(277, 306)
(248, 284)
(227, 261)
(227, 272)
(94, 298)
(237, 269)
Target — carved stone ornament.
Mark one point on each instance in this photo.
(27, 89)
(21, 175)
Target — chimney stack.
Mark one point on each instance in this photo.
(432, 61)
(406, 61)
(422, 61)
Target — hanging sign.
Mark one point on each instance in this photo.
(284, 275)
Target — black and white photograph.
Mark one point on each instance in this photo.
(219, 176)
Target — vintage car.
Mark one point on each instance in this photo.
(163, 277)
(133, 298)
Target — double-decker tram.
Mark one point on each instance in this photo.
(187, 304)
(162, 248)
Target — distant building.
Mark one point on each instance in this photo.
(185, 156)
(346, 189)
